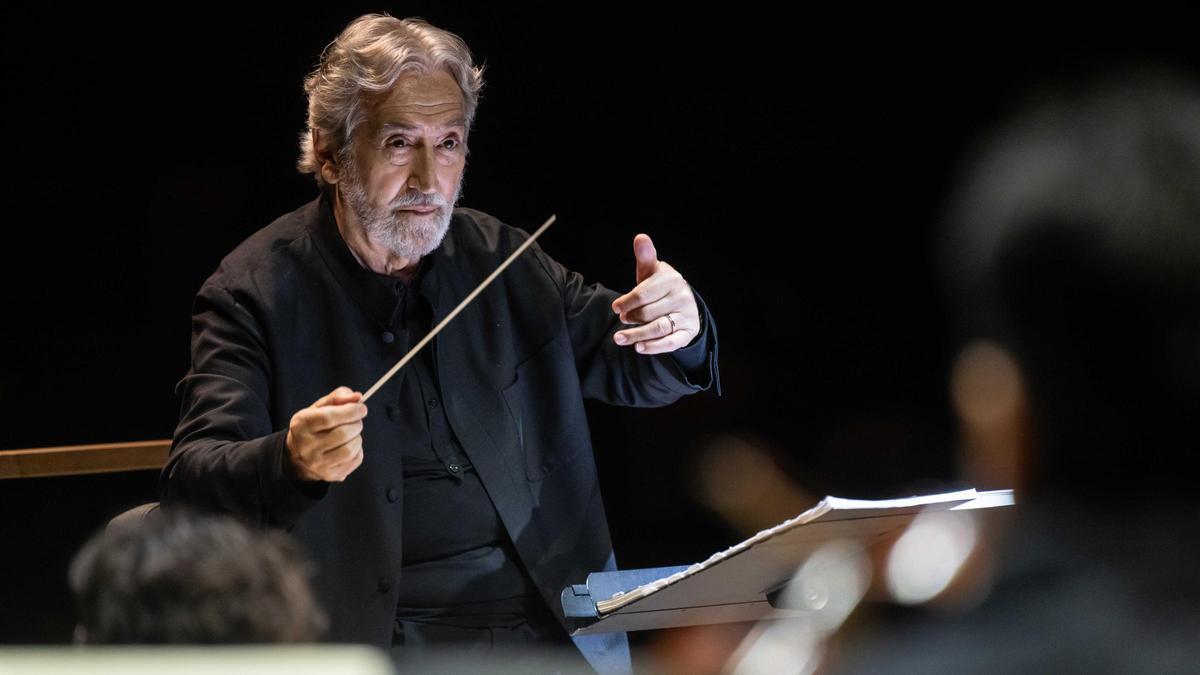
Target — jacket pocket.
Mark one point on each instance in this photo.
(547, 408)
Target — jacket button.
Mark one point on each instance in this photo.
(433, 403)
(454, 467)
(384, 585)
(388, 336)
(393, 412)
(392, 494)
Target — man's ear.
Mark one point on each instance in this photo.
(990, 397)
(325, 158)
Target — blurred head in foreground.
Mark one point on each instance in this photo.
(1073, 258)
(178, 578)
(1072, 254)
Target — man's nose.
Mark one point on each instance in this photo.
(423, 176)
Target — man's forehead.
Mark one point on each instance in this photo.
(421, 99)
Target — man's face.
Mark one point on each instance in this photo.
(403, 175)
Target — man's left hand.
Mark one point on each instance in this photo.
(661, 302)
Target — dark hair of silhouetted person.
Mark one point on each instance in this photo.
(1075, 242)
(180, 578)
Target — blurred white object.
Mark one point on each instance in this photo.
(929, 554)
(153, 660)
(829, 585)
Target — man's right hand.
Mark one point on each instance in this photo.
(324, 440)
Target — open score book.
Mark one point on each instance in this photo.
(733, 585)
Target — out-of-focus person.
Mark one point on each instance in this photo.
(1072, 257)
(179, 578)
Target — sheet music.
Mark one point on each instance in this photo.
(828, 509)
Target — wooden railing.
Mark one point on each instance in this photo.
(73, 460)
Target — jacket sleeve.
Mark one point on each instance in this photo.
(225, 455)
(618, 374)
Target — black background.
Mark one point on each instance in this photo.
(790, 163)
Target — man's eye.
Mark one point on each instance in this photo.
(397, 143)
(449, 144)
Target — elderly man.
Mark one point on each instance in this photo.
(455, 507)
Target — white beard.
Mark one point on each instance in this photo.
(404, 233)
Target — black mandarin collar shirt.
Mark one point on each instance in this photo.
(459, 567)
(453, 540)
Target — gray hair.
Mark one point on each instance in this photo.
(366, 59)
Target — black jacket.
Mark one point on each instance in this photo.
(290, 315)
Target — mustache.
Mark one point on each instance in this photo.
(414, 198)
